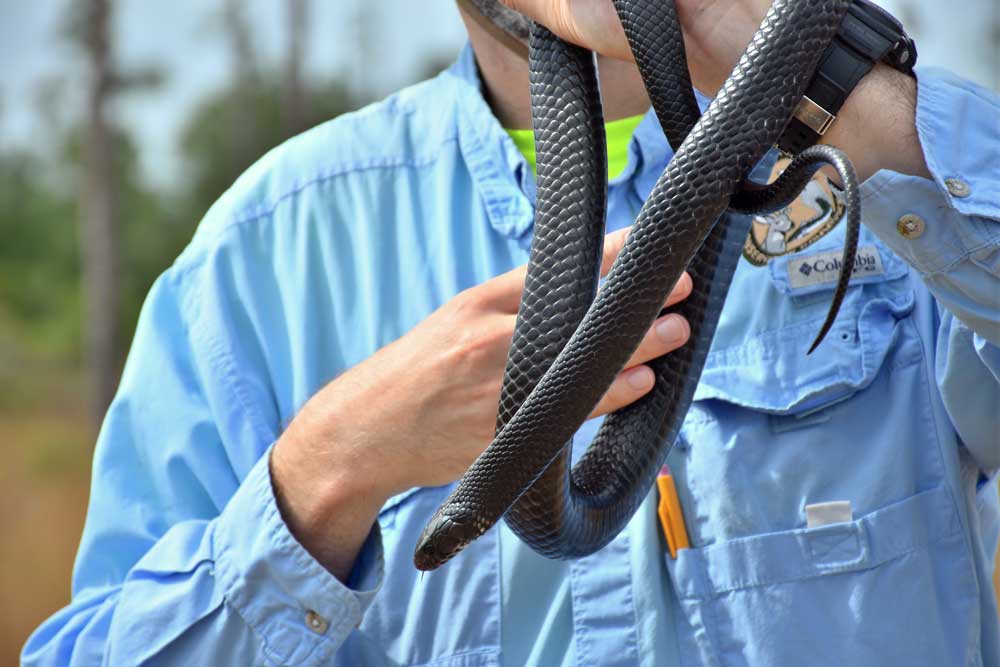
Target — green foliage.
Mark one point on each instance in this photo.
(233, 128)
(39, 266)
(40, 298)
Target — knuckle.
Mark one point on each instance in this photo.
(684, 285)
(615, 244)
(472, 347)
(619, 394)
(488, 393)
(469, 301)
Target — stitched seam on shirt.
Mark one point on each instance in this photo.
(963, 257)
(484, 653)
(224, 361)
(216, 352)
(193, 257)
(267, 209)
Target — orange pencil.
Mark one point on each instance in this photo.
(671, 516)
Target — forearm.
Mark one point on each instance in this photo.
(332, 513)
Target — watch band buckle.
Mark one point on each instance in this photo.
(815, 117)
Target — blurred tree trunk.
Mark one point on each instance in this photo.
(98, 233)
(365, 58)
(240, 39)
(295, 92)
(247, 83)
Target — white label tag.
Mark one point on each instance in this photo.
(823, 514)
(825, 267)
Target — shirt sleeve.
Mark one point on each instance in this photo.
(948, 229)
(185, 558)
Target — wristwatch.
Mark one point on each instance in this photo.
(868, 35)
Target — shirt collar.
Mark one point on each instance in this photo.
(497, 167)
(501, 173)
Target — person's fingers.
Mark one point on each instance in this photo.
(613, 244)
(504, 291)
(630, 385)
(681, 291)
(666, 335)
(592, 24)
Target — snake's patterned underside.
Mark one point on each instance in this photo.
(568, 346)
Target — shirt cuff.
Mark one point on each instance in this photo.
(299, 610)
(936, 224)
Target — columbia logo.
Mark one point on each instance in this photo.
(825, 267)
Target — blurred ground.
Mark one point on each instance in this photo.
(45, 479)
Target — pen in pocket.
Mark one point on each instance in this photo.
(671, 517)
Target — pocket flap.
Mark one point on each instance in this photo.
(759, 357)
(775, 558)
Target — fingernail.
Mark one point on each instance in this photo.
(639, 378)
(672, 329)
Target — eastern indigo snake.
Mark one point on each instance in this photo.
(568, 346)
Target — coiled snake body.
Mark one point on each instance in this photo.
(568, 346)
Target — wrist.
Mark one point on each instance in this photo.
(877, 125)
(328, 488)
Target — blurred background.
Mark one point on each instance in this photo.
(121, 121)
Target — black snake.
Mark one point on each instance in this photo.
(568, 346)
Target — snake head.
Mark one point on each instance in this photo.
(443, 537)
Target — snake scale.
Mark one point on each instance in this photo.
(568, 346)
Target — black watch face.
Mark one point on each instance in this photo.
(903, 54)
(879, 14)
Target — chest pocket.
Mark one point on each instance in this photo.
(447, 618)
(773, 430)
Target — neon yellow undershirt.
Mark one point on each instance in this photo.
(619, 133)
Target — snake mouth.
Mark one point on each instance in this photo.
(441, 540)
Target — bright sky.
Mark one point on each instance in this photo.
(184, 38)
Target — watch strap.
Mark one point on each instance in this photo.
(839, 72)
(867, 35)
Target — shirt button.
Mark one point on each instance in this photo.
(958, 188)
(910, 226)
(316, 622)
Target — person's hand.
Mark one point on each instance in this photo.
(419, 412)
(716, 32)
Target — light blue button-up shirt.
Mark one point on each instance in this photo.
(344, 238)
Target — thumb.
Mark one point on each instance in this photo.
(592, 24)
